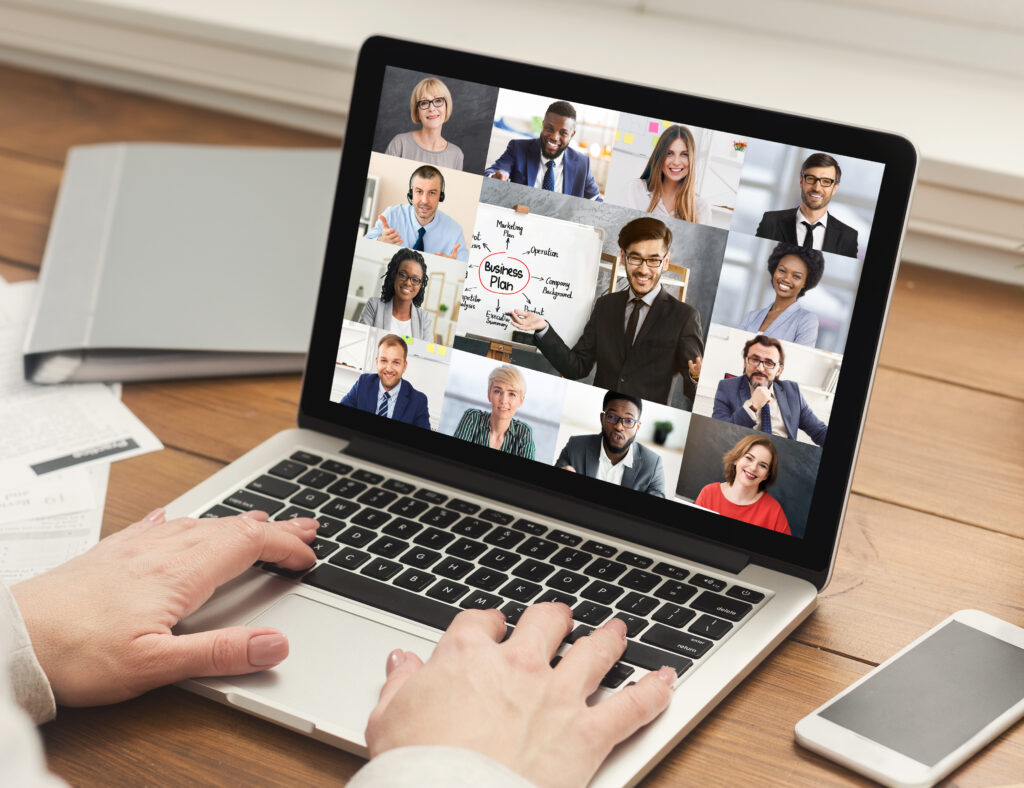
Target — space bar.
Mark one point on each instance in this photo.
(382, 596)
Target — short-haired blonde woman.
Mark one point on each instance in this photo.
(666, 188)
(506, 390)
(430, 105)
(751, 466)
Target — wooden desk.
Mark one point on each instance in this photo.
(934, 523)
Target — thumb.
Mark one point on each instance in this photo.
(401, 665)
(455, 251)
(384, 222)
(219, 652)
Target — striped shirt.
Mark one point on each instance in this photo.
(475, 427)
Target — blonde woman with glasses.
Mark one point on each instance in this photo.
(430, 105)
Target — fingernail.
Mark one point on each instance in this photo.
(307, 523)
(395, 659)
(567, 608)
(267, 649)
(668, 675)
(616, 624)
(154, 515)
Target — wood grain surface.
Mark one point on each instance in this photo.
(935, 523)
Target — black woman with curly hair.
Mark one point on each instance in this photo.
(400, 306)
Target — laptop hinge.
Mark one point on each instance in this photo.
(570, 510)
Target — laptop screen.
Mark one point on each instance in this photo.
(647, 300)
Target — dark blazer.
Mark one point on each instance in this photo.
(669, 337)
(521, 160)
(582, 452)
(796, 413)
(781, 226)
(410, 408)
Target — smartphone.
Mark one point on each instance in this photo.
(922, 713)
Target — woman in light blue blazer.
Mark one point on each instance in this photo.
(793, 271)
(400, 306)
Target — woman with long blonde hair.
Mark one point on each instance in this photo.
(666, 186)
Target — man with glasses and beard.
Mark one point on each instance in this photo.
(761, 401)
(613, 456)
(811, 225)
(639, 337)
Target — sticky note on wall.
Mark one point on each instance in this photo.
(653, 127)
(628, 138)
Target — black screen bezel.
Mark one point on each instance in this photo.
(810, 556)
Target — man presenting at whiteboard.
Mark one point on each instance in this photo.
(639, 337)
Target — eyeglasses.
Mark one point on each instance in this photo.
(413, 280)
(635, 261)
(756, 362)
(427, 103)
(615, 418)
(811, 180)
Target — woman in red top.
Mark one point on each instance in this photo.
(751, 466)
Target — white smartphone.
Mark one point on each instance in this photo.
(926, 710)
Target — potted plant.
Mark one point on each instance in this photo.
(661, 431)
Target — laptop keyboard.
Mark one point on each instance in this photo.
(419, 553)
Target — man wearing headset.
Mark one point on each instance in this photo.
(418, 224)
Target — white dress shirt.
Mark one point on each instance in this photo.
(538, 182)
(819, 231)
(607, 472)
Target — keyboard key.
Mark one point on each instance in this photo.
(520, 590)
(721, 606)
(388, 546)
(710, 583)
(481, 601)
(641, 561)
(487, 579)
(455, 568)
(317, 478)
(350, 558)
(309, 498)
(580, 631)
(471, 527)
(333, 466)
(357, 537)
(563, 537)
(551, 595)
(430, 496)
(287, 469)
(447, 591)
(439, 517)
(537, 548)
(500, 559)
(494, 516)
(745, 594)
(639, 580)
(381, 568)
(367, 476)
(570, 582)
(402, 528)
(268, 485)
(604, 569)
(637, 604)
(533, 570)
(598, 548)
(339, 508)
(710, 627)
(306, 457)
(433, 538)
(618, 674)
(280, 570)
(504, 537)
(219, 510)
(571, 559)
(529, 527)
(291, 512)
(414, 579)
(250, 501)
(673, 615)
(402, 488)
(679, 642)
(654, 658)
(377, 498)
(602, 592)
(346, 488)
(634, 624)
(371, 518)
(512, 611)
(466, 548)
(591, 613)
(408, 507)
(674, 591)
(463, 506)
(382, 596)
(420, 557)
(322, 548)
(675, 572)
(328, 526)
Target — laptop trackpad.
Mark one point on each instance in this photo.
(335, 665)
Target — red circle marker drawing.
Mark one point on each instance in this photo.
(501, 274)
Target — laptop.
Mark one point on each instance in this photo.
(685, 468)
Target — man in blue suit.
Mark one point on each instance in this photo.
(385, 393)
(548, 162)
(763, 402)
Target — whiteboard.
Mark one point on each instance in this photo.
(528, 261)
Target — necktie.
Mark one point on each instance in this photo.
(809, 235)
(382, 409)
(634, 318)
(549, 178)
(418, 246)
(766, 418)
